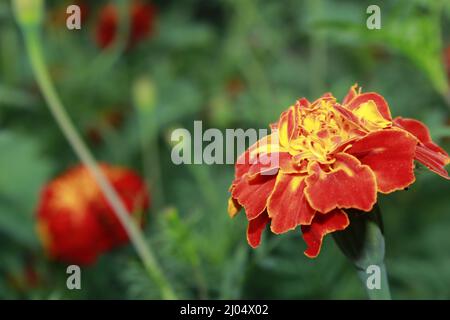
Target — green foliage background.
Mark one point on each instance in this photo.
(232, 64)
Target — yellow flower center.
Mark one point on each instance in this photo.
(320, 129)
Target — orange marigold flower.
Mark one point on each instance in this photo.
(75, 221)
(142, 18)
(330, 157)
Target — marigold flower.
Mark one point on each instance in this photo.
(330, 157)
(142, 18)
(75, 221)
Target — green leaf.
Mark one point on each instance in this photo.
(23, 170)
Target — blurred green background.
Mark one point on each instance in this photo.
(231, 64)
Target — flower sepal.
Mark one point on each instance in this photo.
(362, 242)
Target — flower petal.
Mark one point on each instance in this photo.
(352, 93)
(268, 164)
(428, 153)
(257, 155)
(287, 205)
(390, 155)
(253, 193)
(233, 207)
(302, 103)
(287, 125)
(255, 228)
(379, 102)
(348, 184)
(322, 225)
(347, 114)
(417, 128)
(435, 161)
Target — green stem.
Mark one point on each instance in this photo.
(383, 293)
(150, 155)
(32, 41)
(362, 242)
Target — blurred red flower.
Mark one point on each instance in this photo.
(330, 157)
(142, 20)
(75, 221)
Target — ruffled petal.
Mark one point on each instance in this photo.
(253, 193)
(435, 161)
(348, 184)
(364, 98)
(303, 103)
(287, 125)
(390, 155)
(270, 163)
(233, 207)
(415, 127)
(259, 155)
(322, 225)
(255, 228)
(352, 93)
(427, 152)
(287, 205)
(347, 114)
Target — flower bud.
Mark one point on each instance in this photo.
(144, 94)
(28, 13)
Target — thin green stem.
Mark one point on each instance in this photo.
(150, 155)
(32, 41)
(376, 293)
(362, 242)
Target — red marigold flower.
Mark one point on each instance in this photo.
(75, 221)
(142, 18)
(330, 157)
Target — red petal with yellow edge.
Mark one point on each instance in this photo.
(322, 225)
(434, 161)
(233, 207)
(427, 152)
(255, 228)
(303, 103)
(269, 164)
(287, 125)
(267, 144)
(348, 184)
(390, 155)
(379, 101)
(352, 93)
(252, 194)
(347, 114)
(417, 128)
(287, 205)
